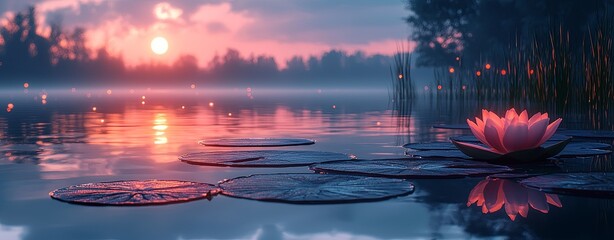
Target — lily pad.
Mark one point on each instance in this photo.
(430, 146)
(256, 142)
(452, 126)
(437, 154)
(581, 184)
(306, 188)
(573, 149)
(471, 138)
(513, 176)
(261, 158)
(449, 146)
(586, 145)
(411, 168)
(588, 133)
(134, 192)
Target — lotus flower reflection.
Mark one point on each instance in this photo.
(512, 137)
(493, 194)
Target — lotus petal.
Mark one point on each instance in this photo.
(550, 131)
(494, 134)
(536, 132)
(515, 137)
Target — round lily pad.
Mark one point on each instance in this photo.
(443, 150)
(589, 133)
(256, 142)
(471, 138)
(134, 192)
(306, 188)
(411, 168)
(261, 158)
(581, 184)
(430, 146)
(437, 154)
(452, 126)
(581, 152)
(589, 145)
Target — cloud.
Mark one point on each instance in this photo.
(164, 11)
(74, 5)
(220, 14)
(217, 27)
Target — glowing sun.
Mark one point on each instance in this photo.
(159, 45)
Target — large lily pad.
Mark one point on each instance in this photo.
(471, 138)
(581, 184)
(430, 146)
(261, 158)
(588, 134)
(449, 146)
(305, 188)
(134, 192)
(437, 154)
(411, 168)
(448, 150)
(256, 142)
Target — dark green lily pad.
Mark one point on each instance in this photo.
(598, 134)
(581, 152)
(306, 188)
(585, 145)
(256, 142)
(261, 158)
(430, 146)
(411, 168)
(134, 192)
(449, 146)
(459, 126)
(513, 176)
(573, 149)
(581, 184)
(471, 138)
(437, 154)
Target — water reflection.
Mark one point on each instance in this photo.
(43, 147)
(493, 194)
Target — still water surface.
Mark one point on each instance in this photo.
(138, 134)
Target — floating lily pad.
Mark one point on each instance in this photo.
(261, 158)
(430, 146)
(452, 126)
(306, 188)
(438, 154)
(471, 138)
(581, 184)
(588, 133)
(443, 150)
(134, 192)
(411, 168)
(586, 145)
(581, 152)
(256, 142)
(513, 176)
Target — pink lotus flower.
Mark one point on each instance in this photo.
(492, 194)
(510, 134)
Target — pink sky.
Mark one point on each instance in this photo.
(203, 28)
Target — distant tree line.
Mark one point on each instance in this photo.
(63, 58)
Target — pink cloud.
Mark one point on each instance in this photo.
(164, 11)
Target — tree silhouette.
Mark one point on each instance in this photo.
(474, 29)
